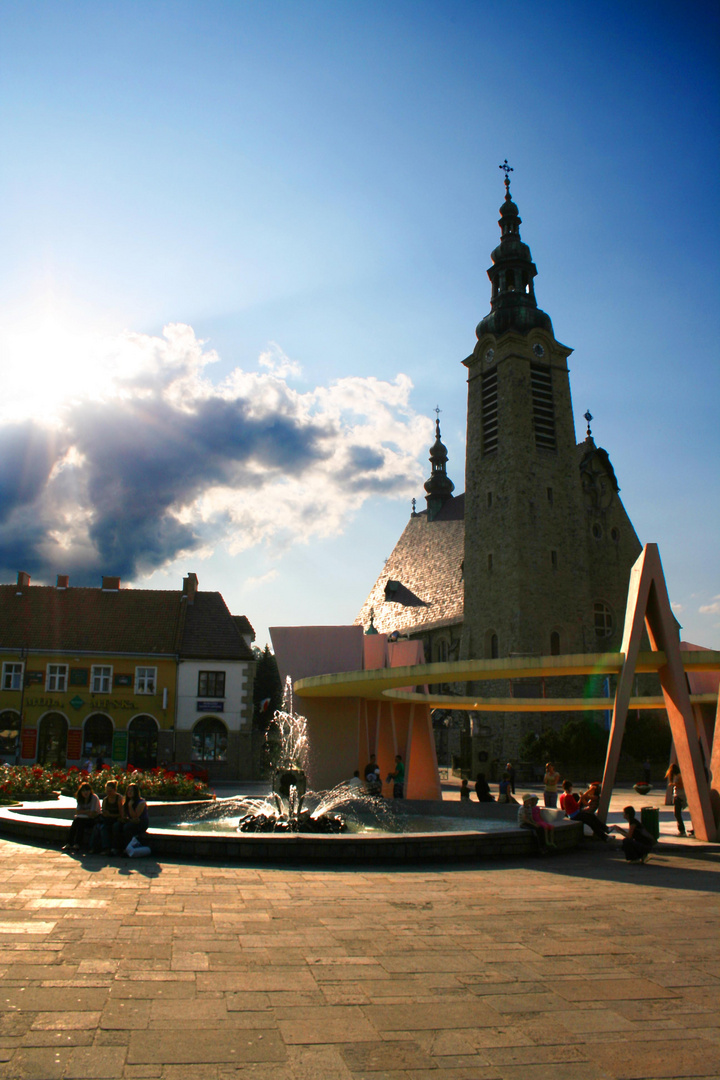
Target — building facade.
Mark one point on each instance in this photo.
(92, 674)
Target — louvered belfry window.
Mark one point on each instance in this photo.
(490, 411)
(543, 409)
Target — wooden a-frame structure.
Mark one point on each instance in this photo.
(648, 607)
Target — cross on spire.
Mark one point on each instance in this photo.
(507, 169)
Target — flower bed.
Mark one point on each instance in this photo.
(23, 782)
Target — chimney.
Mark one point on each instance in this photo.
(63, 580)
(111, 584)
(23, 580)
(190, 587)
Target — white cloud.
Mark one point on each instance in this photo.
(278, 362)
(712, 608)
(151, 459)
(260, 579)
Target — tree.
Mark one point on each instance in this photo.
(580, 744)
(267, 690)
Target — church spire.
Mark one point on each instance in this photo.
(513, 304)
(439, 486)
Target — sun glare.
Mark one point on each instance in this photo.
(48, 360)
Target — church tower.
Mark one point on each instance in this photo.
(528, 581)
(534, 558)
(439, 486)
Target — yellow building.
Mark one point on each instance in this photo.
(92, 673)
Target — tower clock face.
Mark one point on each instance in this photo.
(489, 357)
(538, 349)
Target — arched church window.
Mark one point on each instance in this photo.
(554, 643)
(490, 411)
(492, 650)
(603, 620)
(543, 406)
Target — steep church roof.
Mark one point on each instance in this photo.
(427, 564)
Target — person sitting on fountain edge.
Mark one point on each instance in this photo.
(372, 776)
(574, 811)
(482, 789)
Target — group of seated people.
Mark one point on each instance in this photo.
(107, 827)
(637, 841)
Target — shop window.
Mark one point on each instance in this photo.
(12, 676)
(209, 740)
(9, 735)
(52, 740)
(211, 684)
(142, 742)
(56, 678)
(97, 737)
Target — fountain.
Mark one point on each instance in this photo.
(291, 807)
(283, 811)
(296, 825)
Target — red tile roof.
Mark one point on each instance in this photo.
(142, 621)
(211, 632)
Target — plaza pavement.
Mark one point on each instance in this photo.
(578, 966)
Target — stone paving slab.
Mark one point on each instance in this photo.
(516, 970)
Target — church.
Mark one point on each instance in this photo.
(534, 557)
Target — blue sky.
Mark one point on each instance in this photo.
(310, 190)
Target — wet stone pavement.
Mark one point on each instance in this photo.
(579, 966)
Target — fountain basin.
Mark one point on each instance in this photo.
(49, 825)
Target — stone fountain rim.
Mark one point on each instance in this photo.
(43, 824)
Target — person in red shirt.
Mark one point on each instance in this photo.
(571, 806)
